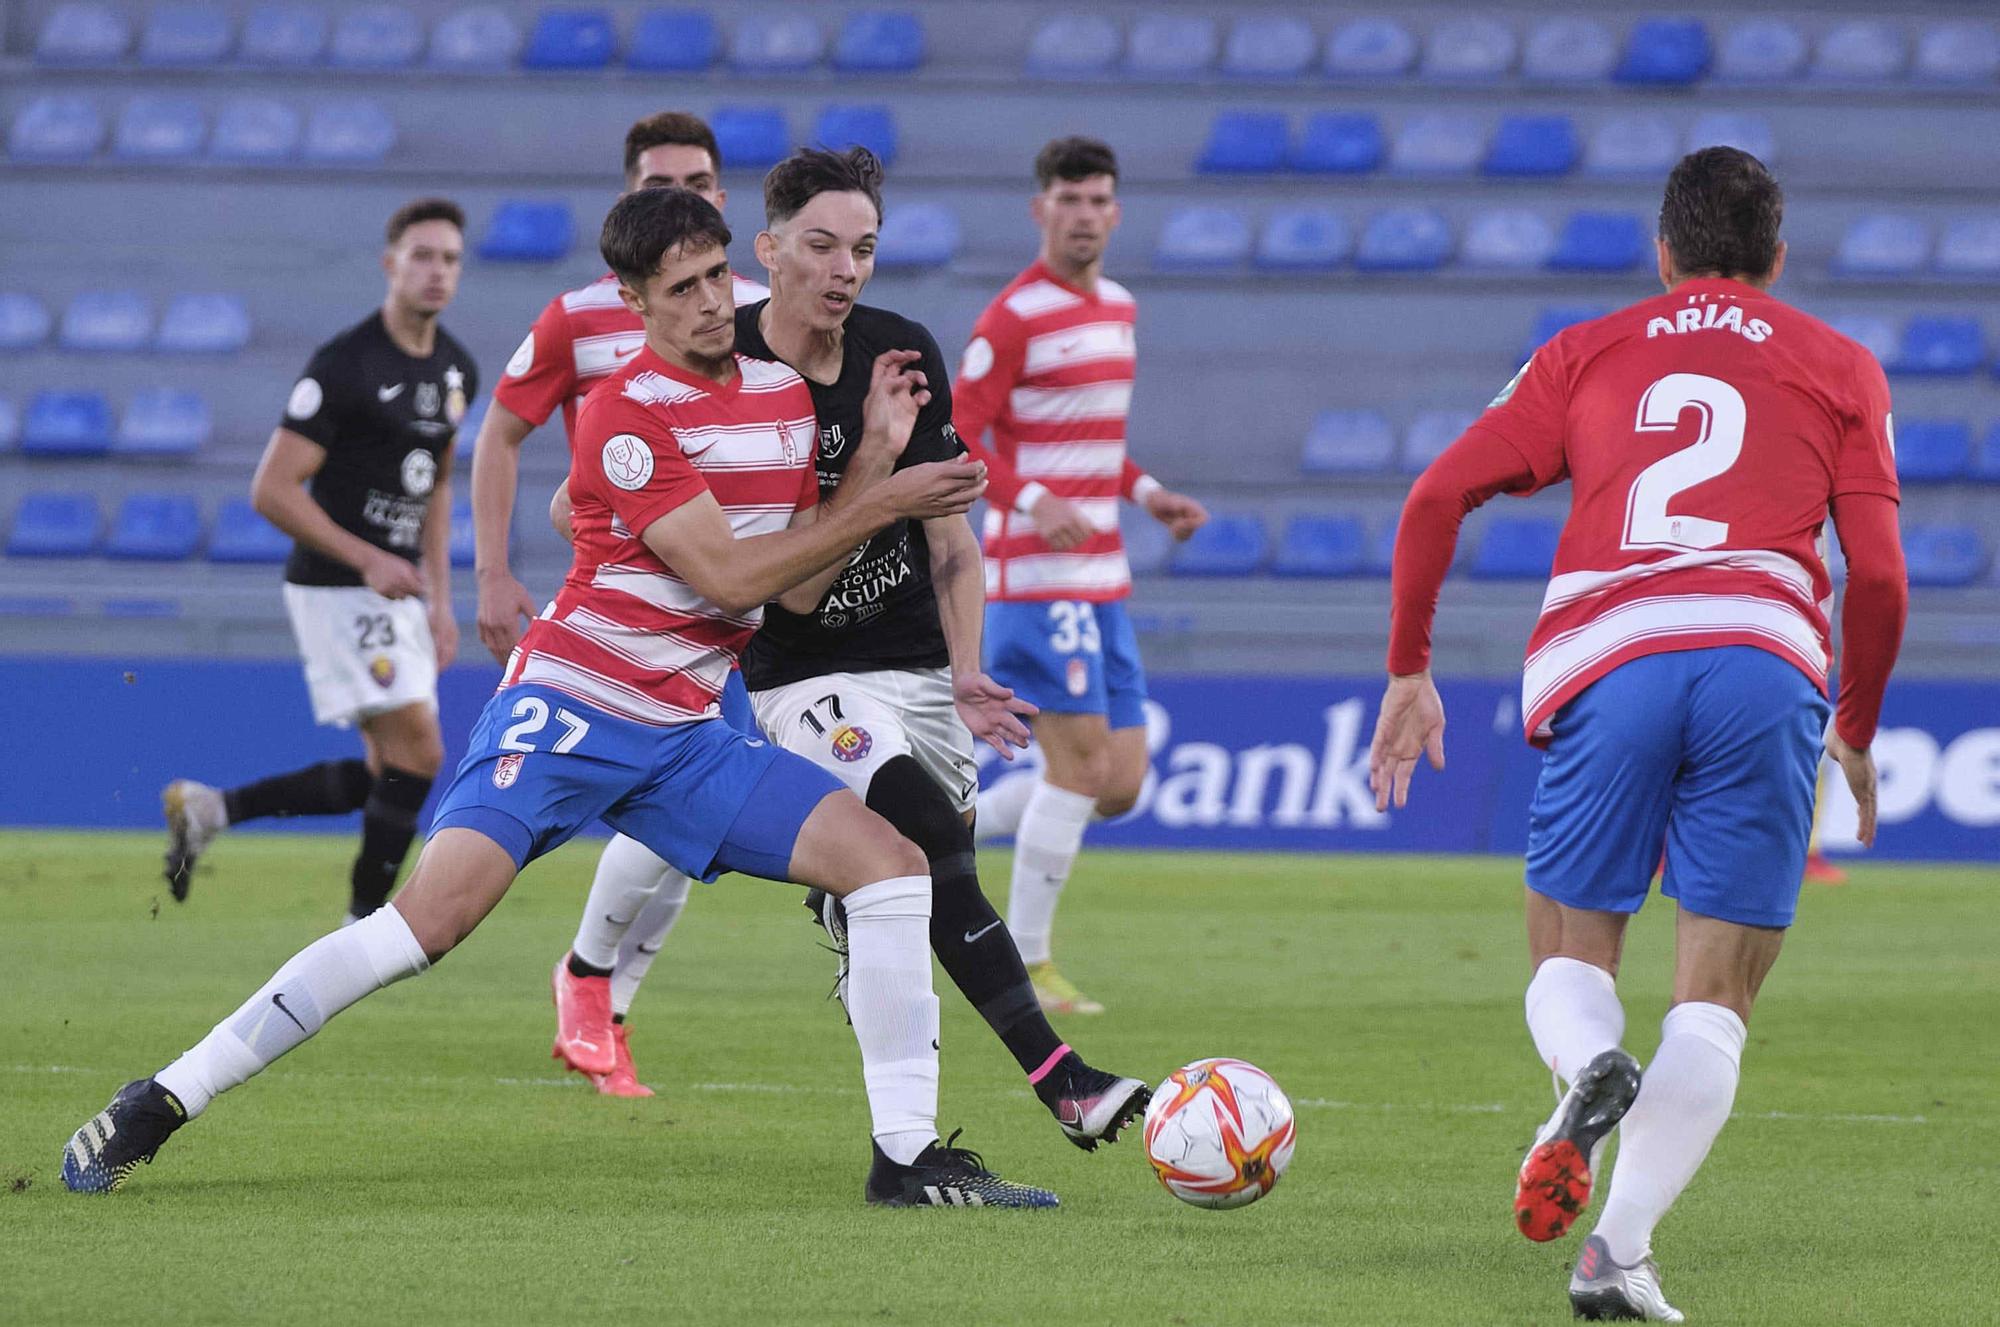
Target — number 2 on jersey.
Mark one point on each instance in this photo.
(533, 713)
(1719, 444)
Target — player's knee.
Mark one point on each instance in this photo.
(882, 853)
(911, 801)
(1117, 801)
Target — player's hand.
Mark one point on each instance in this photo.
(936, 488)
(1859, 767)
(992, 713)
(896, 392)
(1411, 724)
(1181, 514)
(1058, 521)
(503, 602)
(444, 633)
(392, 577)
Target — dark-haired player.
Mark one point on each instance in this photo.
(1677, 678)
(358, 474)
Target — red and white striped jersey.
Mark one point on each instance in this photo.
(582, 338)
(1049, 371)
(626, 634)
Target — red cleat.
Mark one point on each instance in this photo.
(1555, 1180)
(583, 1021)
(1554, 1189)
(623, 1080)
(1821, 871)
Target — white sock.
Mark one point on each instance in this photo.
(1002, 805)
(894, 1013)
(628, 874)
(316, 983)
(643, 939)
(1045, 849)
(1573, 1014)
(1684, 1101)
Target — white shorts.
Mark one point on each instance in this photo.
(849, 724)
(364, 655)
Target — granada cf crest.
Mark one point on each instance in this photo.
(1079, 677)
(507, 769)
(851, 743)
(383, 669)
(785, 440)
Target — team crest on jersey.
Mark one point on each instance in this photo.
(419, 473)
(628, 462)
(426, 399)
(454, 394)
(851, 743)
(785, 441)
(383, 669)
(1079, 677)
(507, 769)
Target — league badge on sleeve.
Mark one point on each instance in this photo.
(628, 461)
(507, 769)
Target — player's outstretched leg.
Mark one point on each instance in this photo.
(1555, 1180)
(196, 813)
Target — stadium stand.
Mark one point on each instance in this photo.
(673, 41)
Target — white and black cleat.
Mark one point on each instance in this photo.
(1556, 1178)
(1602, 1291)
(1092, 1105)
(112, 1143)
(832, 918)
(944, 1175)
(195, 814)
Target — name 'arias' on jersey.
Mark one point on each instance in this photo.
(385, 419)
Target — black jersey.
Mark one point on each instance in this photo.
(384, 417)
(881, 613)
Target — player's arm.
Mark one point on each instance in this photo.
(437, 565)
(539, 378)
(987, 375)
(278, 492)
(562, 513)
(991, 712)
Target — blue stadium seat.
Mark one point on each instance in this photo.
(1761, 50)
(63, 423)
(1148, 546)
(1860, 51)
(1876, 333)
(254, 130)
(1516, 548)
(157, 128)
(1438, 143)
(570, 39)
(1940, 347)
(1430, 433)
(186, 36)
(349, 133)
(55, 525)
(1533, 145)
(1965, 52)
(163, 422)
(1554, 318)
(24, 321)
(1227, 546)
(106, 320)
(1304, 239)
(1321, 546)
(1203, 238)
(10, 424)
(1664, 51)
(673, 41)
(1884, 244)
(474, 39)
(147, 608)
(879, 41)
(1750, 133)
(1985, 465)
(751, 137)
(917, 235)
(241, 535)
(155, 527)
(1970, 248)
(1633, 144)
(83, 34)
(1370, 48)
(203, 324)
(56, 126)
(870, 126)
(1932, 451)
(1074, 46)
(776, 44)
(1943, 555)
(376, 37)
(1601, 242)
(1339, 143)
(1244, 141)
(1171, 46)
(1568, 50)
(1468, 50)
(1264, 46)
(528, 231)
(1404, 239)
(462, 543)
(284, 35)
(1511, 239)
(1348, 442)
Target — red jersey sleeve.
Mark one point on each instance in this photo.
(1866, 459)
(987, 373)
(627, 454)
(1872, 611)
(1531, 415)
(542, 373)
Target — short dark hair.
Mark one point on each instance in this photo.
(811, 171)
(643, 227)
(669, 128)
(420, 210)
(1074, 159)
(1721, 214)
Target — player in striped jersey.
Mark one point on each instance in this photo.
(1049, 372)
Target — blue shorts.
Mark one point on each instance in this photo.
(1710, 754)
(543, 765)
(1070, 656)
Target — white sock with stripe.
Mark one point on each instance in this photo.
(1045, 849)
(894, 1012)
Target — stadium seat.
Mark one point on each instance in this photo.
(462, 541)
(1860, 51)
(1553, 319)
(1468, 50)
(673, 41)
(1932, 451)
(1268, 47)
(1244, 141)
(1664, 51)
(1508, 240)
(24, 321)
(146, 608)
(285, 35)
(1963, 52)
(475, 39)
(1876, 333)
(1533, 145)
(1370, 48)
(106, 320)
(1339, 143)
(1943, 555)
(917, 235)
(1633, 144)
(778, 43)
(156, 128)
(1750, 133)
(185, 36)
(203, 325)
(870, 126)
(1348, 442)
(55, 525)
(1404, 239)
(1430, 433)
(241, 535)
(1321, 546)
(1171, 46)
(163, 422)
(1601, 242)
(66, 423)
(528, 231)
(1226, 546)
(570, 39)
(83, 34)
(154, 527)
(1304, 239)
(349, 133)
(1437, 143)
(1970, 248)
(1884, 244)
(376, 37)
(1940, 347)
(751, 137)
(879, 41)
(254, 130)
(1203, 238)
(1516, 548)
(56, 126)
(10, 424)
(1074, 46)
(1568, 50)
(1148, 546)
(1761, 50)
(1985, 463)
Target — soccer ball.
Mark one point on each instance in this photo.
(1219, 1133)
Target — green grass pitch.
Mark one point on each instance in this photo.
(423, 1161)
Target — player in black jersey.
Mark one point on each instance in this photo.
(358, 474)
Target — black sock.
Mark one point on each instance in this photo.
(579, 968)
(388, 823)
(967, 935)
(331, 788)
